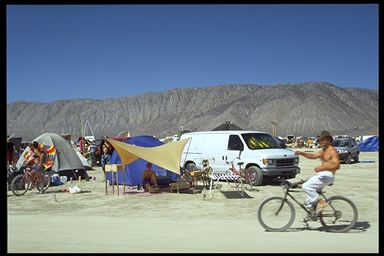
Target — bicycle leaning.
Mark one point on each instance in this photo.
(246, 177)
(29, 179)
(278, 213)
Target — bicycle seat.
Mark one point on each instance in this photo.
(319, 190)
(294, 183)
(240, 163)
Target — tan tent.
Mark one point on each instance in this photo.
(167, 156)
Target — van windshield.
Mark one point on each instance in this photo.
(261, 141)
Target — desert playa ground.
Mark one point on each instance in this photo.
(57, 222)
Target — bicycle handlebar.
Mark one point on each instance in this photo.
(231, 162)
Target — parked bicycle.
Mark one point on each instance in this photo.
(278, 213)
(30, 179)
(246, 176)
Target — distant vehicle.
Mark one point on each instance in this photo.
(175, 137)
(262, 153)
(291, 138)
(347, 148)
(290, 141)
(90, 138)
(311, 142)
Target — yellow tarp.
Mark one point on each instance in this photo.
(167, 156)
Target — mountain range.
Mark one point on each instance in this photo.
(300, 109)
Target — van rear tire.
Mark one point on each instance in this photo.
(257, 175)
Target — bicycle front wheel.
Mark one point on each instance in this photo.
(340, 215)
(20, 185)
(276, 214)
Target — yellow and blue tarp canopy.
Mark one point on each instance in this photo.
(167, 156)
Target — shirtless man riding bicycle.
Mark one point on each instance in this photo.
(326, 171)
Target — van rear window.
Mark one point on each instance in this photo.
(261, 141)
(340, 143)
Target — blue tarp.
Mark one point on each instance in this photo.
(370, 144)
(135, 170)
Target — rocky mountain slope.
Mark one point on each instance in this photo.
(300, 109)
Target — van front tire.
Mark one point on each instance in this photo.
(256, 174)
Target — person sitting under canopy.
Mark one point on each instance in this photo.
(149, 178)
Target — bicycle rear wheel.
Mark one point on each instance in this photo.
(44, 184)
(20, 185)
(276, 214)
(340, 215)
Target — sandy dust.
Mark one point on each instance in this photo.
(186, 222)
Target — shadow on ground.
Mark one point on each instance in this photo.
(360, 226)
(235, 195)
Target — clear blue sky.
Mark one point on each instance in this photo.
(101, 51)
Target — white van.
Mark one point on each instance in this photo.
(260, 152)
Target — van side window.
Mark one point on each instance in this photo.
(234, 143)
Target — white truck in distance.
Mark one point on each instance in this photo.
(261, 153)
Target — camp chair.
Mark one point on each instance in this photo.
(235, 175)
(215, 178)
(197, 176)
(199, 173)
(228, 175)
(114, 170)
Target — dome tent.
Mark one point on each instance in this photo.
(66, 162)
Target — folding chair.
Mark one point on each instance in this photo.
(196, 176)
(215, 177)
(238, 180)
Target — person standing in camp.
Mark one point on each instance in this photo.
(326, 171)
(10, 152)
(92, 148)
(149, 177)
(105, 158)
(84, 144)
(109, 146)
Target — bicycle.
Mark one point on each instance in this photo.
(246, 175)
(28, 179)
(278, 213)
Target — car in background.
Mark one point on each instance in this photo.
(347, 148)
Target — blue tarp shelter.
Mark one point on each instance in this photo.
(135, 170)
(370, 144)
